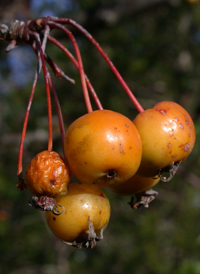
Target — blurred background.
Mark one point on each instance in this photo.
(155, 44)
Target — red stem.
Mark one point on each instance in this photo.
(71, 57)
(94, 42)
(46, 77)
(21, 183)
(79, 59)
(58, 108)
(59, 113)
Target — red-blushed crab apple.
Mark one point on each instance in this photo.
(168, 136)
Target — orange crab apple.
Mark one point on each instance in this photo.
(103, 148)
(135, 185)
(48, 175)
(82, 202)
(168, 136)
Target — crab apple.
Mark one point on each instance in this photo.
(48, 175)
(103, 147)
(82, 202)
(168, 136)
(135, 185)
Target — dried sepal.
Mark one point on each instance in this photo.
(45, 203)
(143, 199)
(92, 238)
(171, 170)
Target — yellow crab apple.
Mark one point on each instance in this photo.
(82, 202)
(103, 148)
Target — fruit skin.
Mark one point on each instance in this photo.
(103, 148)
(135, 185)
(48, 175)
(168, 135)
(80, 202)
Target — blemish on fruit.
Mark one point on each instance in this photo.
(186, 147)
(121, 150)
(121, 145)
(54, 218)
(101, 196)
(127, 125)
(181, 126)
(130, 147)
(162, 111)
(176, 119)
(189, 135)
(187, 122)
(174, 156)
(99, 212)
(169, 145)
(171, 134)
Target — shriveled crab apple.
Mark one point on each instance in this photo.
(103, 148)
(168, 136)
(86, 213)
(48, 175)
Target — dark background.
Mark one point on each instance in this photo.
(155, 45)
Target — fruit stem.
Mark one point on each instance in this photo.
(80, 63)
(59, 114)
(46, 77)
(102, 52)
(71, 57)
(57, 71)
(20, 155)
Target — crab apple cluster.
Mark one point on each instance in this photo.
(105, 149)
(102, 149)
